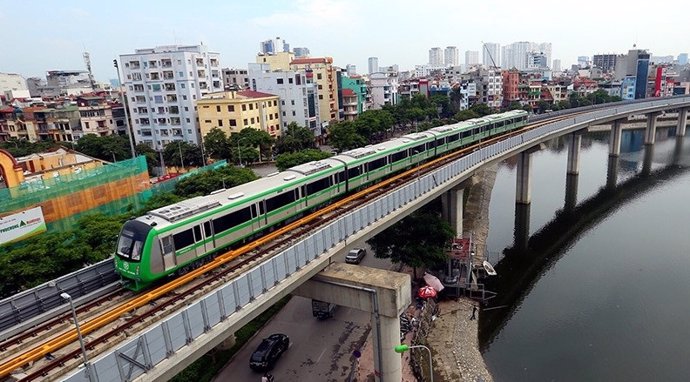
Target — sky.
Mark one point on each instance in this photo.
(42, 35)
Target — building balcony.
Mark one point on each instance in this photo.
(349, 102)
(350, 112)
(166, 63)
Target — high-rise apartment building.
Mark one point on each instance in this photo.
(235, 79)
(297, 93)
(384, 89)
(13, 86)
(162, 85)
(373, 64)
(605, 62)
(471, 57)
(351, 70)
(683, 59)
(491, 55)
(515, 55)
(301, 52)
(536, 60)
(556, 65)
(583, 61)
(272, 46)
(632, 69)
(324, 76)
(544, 47)
(451, 56)
(435, 57)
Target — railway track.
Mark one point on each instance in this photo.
(56, 353)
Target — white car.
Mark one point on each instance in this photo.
(355, 256)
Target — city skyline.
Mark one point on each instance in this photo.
(80, 26)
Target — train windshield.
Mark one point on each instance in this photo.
(131, 240)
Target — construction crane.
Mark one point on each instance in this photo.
(87, 60)
(490, 56)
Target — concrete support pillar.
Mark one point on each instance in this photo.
(615, 141)
(574, 153)
(452, 208)
(571, 181)
(522, 186)
(612, 173)
(648, 159)
(682, 122)
(521, 230)
(650, 132)
(678, 150)
(383, 293)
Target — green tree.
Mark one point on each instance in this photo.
(417, 241)
(217, 144)
(107, 148)
(287, 160)
(373, 122)
(444, 102)
(207, 181)
(175, 153)
(295, 138)
(252, 143)
(151, 155)
(160, 199)
(344, 136)
(22, 147)
(482, 109)
(464, 115)
(456, 98)
(514, 105)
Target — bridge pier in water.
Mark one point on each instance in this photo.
(647, 161)
(615, 140)
(522, 186)
(383, 293)
(650, 131)
(682, 122)
(612, 173)
(574, 152)
(571, 181)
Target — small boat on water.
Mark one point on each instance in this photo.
(489, 268)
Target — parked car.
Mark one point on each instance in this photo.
(270, 349)
(355, 256)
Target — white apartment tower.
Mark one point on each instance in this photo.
(515, 55)
(471, 58)
(373, 64)
(451, 56)
(435, 57)
(298, 94)
(162, 85)
(491, 55)
(384, 89)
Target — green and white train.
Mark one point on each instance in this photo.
(167, 240)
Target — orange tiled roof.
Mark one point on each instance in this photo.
(254, 94)
(316, 60)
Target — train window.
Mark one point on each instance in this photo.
(466, 133)
(197, 233)
(419, 149)
(207, 229)
(253, 210)
(453, 138)
(500, 123)
(373, 165)
(167, 244)
(183, 239)
(262, 209)
(280, 200)
(353, 172)
(318, 185)
(303, 191)
(230, 220)
(439, 142)
(398, 156)
(430, 145)
(475, 131)
(341, 177)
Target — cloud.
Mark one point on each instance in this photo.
(307, 13)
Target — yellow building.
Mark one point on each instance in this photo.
(325, 78)
(232, 111)
(276, 61)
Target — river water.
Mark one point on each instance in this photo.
(602, 293)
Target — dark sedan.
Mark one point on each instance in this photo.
(268, 352)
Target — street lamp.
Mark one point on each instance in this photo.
(68, 298)
(124, 105)
(404, 347)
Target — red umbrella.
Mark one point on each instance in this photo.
(426, 292)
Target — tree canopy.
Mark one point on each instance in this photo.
(287, 160)
(344, 136)
(108, 148)
(295, 138)
(417, 241)
(217, 144)
(182, 154)
(207, 181)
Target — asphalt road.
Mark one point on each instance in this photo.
(320, 351)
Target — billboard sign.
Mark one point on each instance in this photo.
(21, 225)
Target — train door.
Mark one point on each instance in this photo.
(199, 241)
(169, 259)
(210, 243)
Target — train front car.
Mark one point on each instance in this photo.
(133, 244)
